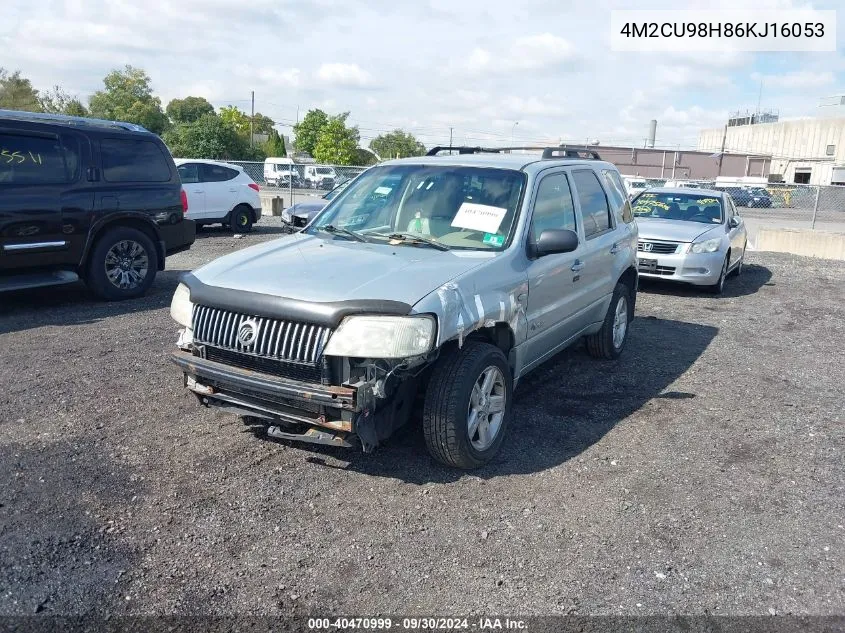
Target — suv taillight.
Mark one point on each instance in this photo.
(252, 185)
(184, 202)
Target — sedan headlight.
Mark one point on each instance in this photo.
(181, 308)
(382, 337)
(707, 246)
(286, 216)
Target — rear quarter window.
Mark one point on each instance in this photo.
(37, 160)
(618, 199)
(133, 160)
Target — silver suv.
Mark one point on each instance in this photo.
(429, 284)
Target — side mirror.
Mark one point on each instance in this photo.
(733, 222)
(553, 241)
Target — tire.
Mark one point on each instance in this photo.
(610, 340)
(451, 398)
(122, 265)
(719, 287)
(240, 220)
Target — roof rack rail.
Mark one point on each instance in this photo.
(44, 117)
(571, 152)
(462, 149)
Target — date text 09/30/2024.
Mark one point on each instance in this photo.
(416, 624)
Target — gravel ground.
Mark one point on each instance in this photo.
(701, 473)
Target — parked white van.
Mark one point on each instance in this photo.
(319, 177)
(634, 185)
(278, 172)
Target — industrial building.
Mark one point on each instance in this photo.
(669, 164)
(803, 151)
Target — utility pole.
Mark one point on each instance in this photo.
(760, 96)
(450, 139)
(252, 123)
(722, 153)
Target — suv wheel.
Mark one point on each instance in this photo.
(610, 340)
(122, 265)
(467, 405)
(241, 219)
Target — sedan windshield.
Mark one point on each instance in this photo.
(685, 207)
(456, 207)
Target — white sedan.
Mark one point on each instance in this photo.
(219, 193)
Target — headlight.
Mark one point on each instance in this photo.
(286, 216)
(707, 246)
(181, 308)
(382, 337)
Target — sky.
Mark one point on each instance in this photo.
(494, 71)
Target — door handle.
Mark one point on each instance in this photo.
(577, 266)
(614, 249)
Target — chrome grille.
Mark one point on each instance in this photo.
(280, 340)
(657, 247)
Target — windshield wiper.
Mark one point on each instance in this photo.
(339, 230)
(413, 237)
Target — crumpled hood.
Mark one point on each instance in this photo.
(673, 230)
(311, 268)
(308, 208)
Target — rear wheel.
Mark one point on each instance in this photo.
(241, 219)
(610, 340)
(467, 405)
(122, 265)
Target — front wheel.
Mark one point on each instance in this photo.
(467, 405)
(241, 220)
(122, 265)
(610, 340)
(719, 287)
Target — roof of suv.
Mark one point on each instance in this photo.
(501, 161)
(72, 121)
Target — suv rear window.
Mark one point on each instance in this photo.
(36, 160)
(594, 211)
(216, 173)
(133, 160)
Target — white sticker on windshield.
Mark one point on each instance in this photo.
(479, 217)
(383, 191)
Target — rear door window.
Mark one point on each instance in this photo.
(37, 160)
(189, 173)
(133, 160)
(595, 213)
(216, 173)
(618, 198)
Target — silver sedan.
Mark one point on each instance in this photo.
(692, 236)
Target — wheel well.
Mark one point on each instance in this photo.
(133, 223)
(630, 279)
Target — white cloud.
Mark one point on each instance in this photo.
(532, 52)
(344, 75)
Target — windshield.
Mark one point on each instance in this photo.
(458, 207)
(324, 170)
(331, 195)
(679, 206)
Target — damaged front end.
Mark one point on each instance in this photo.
(308, 382)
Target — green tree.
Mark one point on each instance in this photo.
(128, 97)
(397, 144)
(189, 109)
(17, 93)
(308, 130)
(57, 101)
(275, 145)
(235, 119)
(337, 144)
(207, 137)
(263, 124)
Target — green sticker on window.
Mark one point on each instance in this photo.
(493, 240)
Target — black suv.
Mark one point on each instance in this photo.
(86, 198)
